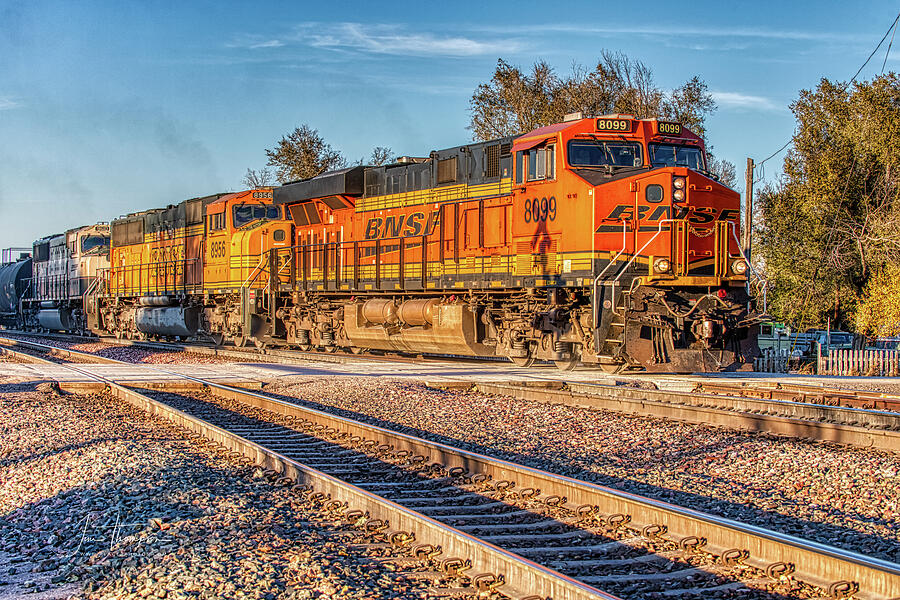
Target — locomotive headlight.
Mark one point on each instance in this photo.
(662, 265)
(739, 266)
(678, 183)
(678, 195)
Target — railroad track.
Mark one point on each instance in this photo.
(863, 427)
(793, 392)
(500, 526)
(867, 428)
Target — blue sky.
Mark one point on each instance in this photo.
(107, 108)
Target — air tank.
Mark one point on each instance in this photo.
(56, 319)
(418, 312)
(171, 320)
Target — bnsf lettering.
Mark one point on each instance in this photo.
(410, 225)
(694, 214)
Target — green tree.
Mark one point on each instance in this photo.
(830, 228)
(302, 154)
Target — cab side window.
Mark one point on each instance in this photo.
(217, 222)
(541, 163)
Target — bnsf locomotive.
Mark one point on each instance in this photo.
(600, 240)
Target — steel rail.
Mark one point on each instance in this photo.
(852, 426)
(522, 577)
(815, 563)
(57, 351)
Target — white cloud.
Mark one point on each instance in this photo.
(267, 44)
(657, 30)
(253, 42)
(389, 39)
(746, 101)
(7, 103)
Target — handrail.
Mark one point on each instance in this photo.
(765, 282)
(255, 273)
(595, 300)
(648, 242)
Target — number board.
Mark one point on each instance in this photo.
(262, 194)
(620, 125)
(668, 128)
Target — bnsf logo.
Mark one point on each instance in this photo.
(694, 214)
(409, 225)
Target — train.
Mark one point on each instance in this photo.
(603, 241)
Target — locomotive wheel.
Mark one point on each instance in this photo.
(356, 350)
(566, 365)
(612, 368)
(329, 349)
(522, 361)
(217, 338)
(239, 341)
(260, 345)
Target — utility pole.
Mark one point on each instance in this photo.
(748, 209)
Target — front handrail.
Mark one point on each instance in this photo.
(753, 272)
(644, 247)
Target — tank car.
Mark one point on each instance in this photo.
(15, 277)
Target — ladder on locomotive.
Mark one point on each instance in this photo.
(609, 300)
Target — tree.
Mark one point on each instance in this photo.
(381, 156)
(723, 169)
(303, 154)
(829, 231)
(258, 179)
(515, 102)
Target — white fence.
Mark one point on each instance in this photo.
(873, 363)
(773, 360)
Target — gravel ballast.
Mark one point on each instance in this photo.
(100, 500)
(841, 496)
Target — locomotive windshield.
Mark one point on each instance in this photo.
(598, 153)
(247, 213)
(668, 155)
(97, 243)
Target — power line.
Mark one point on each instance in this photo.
(893, 28)
(876, 49)
(888, 53)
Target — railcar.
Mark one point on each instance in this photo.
(15, 277)
(65, 268)
(602, 240)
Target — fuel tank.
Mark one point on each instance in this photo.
(170, 320)
(57, 319)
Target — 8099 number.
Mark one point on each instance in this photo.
(540, 209)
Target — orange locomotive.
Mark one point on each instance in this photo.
(182, 271)
(600, 240)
